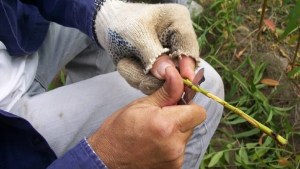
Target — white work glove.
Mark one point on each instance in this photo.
(143, 32)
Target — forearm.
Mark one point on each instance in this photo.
(81, 156)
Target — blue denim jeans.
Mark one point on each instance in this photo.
(94, 91)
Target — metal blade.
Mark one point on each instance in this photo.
(189, 93)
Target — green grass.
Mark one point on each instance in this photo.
(238, 144)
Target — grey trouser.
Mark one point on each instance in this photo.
(67, 114)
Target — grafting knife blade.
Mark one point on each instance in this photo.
(189, 94)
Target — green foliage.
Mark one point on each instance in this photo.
(293, 20)
(62, 77)
(222, 25)
(295, 73)
(58, 81)
(240, 145)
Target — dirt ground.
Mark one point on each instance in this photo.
(278, 54)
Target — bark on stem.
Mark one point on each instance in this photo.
(250, 119)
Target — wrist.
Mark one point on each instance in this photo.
(103, 150)
(105, 14)
(92, 154)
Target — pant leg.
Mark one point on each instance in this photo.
(67, 114)
(67, 46)
(90, 62)
(203, 133)
(61, 45)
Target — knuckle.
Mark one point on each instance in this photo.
(181, 9)
(150, 84)
(135, 102)
(180, 125)
(178, 9)
(138, 102)
(179, 162)
(203, 114)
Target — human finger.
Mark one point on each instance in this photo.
(180, 36)
(186, 117)
(170, 92)
(160, 65)
(132, 71)
(187, 67)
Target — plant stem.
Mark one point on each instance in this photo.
(251, 120)
(296, 51)
(261, 19)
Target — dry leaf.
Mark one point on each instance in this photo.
(288, 68)
(278, 32)
(225, 34)
(284, 54)
(243, 28)
(270, 24)
(251, 18)
(293, 39)
(273, 46)
(260, 140)
(269, 82)
(240, 53)
(264, 28)
(283, 161)
(260, 10)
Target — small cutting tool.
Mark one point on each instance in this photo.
(189, 94)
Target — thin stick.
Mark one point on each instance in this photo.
(261, 19)
(251, 120)
(296, 51)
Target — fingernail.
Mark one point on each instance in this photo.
(161, 69)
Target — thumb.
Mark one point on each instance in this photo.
(171, 91)
(189, 116)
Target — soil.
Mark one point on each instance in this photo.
(277, 53)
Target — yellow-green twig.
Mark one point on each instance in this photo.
(251, 120)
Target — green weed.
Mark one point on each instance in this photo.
(238, 144)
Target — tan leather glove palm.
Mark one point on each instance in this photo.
(143, 32)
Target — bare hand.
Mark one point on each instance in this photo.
(186, 67)
(151, 132)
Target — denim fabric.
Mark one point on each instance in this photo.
(79, 157)
(21, 146)
(24, 26)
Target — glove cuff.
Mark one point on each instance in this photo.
(105, 14)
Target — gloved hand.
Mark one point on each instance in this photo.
(143, 32)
